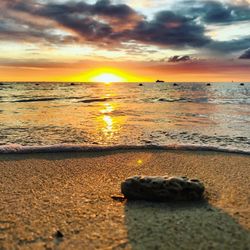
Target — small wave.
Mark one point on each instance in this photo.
(59, 148)
(95, 100)
(154, 100)
(38, 99)
(172, 100)
(45, 99)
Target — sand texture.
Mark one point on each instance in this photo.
(71, 192)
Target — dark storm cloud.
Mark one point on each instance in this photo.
(245, 55)
(101, 7)
(93, 23)
(79, 10)
(176, 59)
(168, 28)
(218, 12)
(104, 7)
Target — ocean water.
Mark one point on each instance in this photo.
(74, 115)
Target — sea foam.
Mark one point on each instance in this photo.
(59, 148)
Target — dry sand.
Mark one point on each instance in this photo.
(43, 193)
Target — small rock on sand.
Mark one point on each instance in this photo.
(59, 235)
(118, 198)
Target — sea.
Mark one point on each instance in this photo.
(73, 116)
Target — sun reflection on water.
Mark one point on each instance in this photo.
(108, 108)
(109, 124)
(108, 121)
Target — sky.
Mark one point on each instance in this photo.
(171, 40)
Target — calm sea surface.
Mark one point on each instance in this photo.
(38, 114)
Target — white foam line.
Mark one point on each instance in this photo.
(19, 149)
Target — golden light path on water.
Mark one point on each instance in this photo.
(107, 120)
(110, 123)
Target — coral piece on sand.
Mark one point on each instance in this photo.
(162, 188)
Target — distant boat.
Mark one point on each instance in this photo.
(159, 81)
(242, 84)
(208, 84)
(175, 84)
(140, 84)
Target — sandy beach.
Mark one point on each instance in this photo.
(71, 193)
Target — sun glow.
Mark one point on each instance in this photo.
(104, 75)
(107, 78)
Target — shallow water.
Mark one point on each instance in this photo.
(35, 114)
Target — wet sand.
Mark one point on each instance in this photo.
(71, 192)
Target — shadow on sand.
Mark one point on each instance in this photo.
(182, 226)
(69, 155)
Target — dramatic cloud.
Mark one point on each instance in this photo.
(230, 46)
(218, 12)
(170, 29)
(104, 22)
(24, 27)
(13, 31)
(111, 25)
(101, 22)
(176, 59)
(245, 55)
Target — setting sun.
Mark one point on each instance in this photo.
(107, 78)
(105, 75)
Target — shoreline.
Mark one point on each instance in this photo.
(85, 148)
(71, 192)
